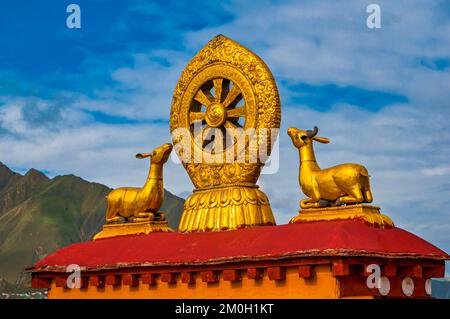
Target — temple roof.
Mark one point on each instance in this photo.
(314, 239)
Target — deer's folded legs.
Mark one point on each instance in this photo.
(309, 203)
(143, 217)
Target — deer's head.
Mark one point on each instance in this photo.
(159, 155)
(302, 138)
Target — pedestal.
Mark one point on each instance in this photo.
(226, 208)
(368, 213)
(114, 230)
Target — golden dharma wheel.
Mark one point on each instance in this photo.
(225, 94)
(217, 103)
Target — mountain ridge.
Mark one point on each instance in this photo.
(39, 215)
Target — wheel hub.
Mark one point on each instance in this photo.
(215, 115)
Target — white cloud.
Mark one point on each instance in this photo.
(436, 171)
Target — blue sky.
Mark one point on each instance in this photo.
(83, 101)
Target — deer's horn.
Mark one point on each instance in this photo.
(312, 133)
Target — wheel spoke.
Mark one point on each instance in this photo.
(233, 97)
(229, 125)
(196, 116)
(236, 112)
(218, 86)
(204, 99)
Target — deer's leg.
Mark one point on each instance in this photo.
(143, 217)
(313, 201)
(354, 195)
(368, 198)
(309, 203)
(112, 219)
(111, 215)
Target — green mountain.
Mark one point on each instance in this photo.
(39, 215)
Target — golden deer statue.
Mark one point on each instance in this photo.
(141, 204)
(341, 184)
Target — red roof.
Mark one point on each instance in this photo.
(332, 238)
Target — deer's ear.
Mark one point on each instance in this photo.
(323, 140)
(143, 155)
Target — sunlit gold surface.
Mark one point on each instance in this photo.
(226, 208)
(341, 184)
(224, 86)
(368, 213)
(133, 210)
(114, 230)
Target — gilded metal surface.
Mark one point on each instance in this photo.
(226, 208)
(370, 214)
(341, 184)
(114, 230)
(141, 204)
(224, 86)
